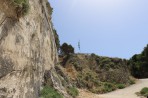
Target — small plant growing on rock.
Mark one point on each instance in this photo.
(50, 9)
(21, 6)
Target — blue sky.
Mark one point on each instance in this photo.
(114, 28)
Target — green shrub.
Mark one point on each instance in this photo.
(66, 49)
(78, 67)
(103, 88)
(73, 91)
(22, 7)
(108, 87)
(144, 91)
(120, 86)
(49, 92)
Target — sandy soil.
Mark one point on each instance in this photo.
(86, 94)
(128, 92)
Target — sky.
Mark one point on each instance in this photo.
(114, 28)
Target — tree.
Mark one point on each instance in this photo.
(139, 64)
(66, 49)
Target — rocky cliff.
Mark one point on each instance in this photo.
(27, 50)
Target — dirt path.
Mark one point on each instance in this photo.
(86, 94)
(128, 92)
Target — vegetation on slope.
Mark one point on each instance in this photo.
(22, 7)
(120, 86)
(139, 64)
(97, 74)
(73, 91)
(50, 92)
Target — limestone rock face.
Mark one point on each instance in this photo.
(27, 50)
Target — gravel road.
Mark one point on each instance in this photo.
(128, 92)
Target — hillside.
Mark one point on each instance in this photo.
(139, 63)
(29, 62)
(96, 73)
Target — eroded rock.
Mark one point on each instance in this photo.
(27, 51)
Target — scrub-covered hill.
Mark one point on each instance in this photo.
(96, 73)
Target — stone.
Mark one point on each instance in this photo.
(27, 51)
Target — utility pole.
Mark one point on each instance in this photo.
(79, 46)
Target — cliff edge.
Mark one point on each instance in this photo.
(27, 49)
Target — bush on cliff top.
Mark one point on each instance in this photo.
(50, 9)
(22, 7)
